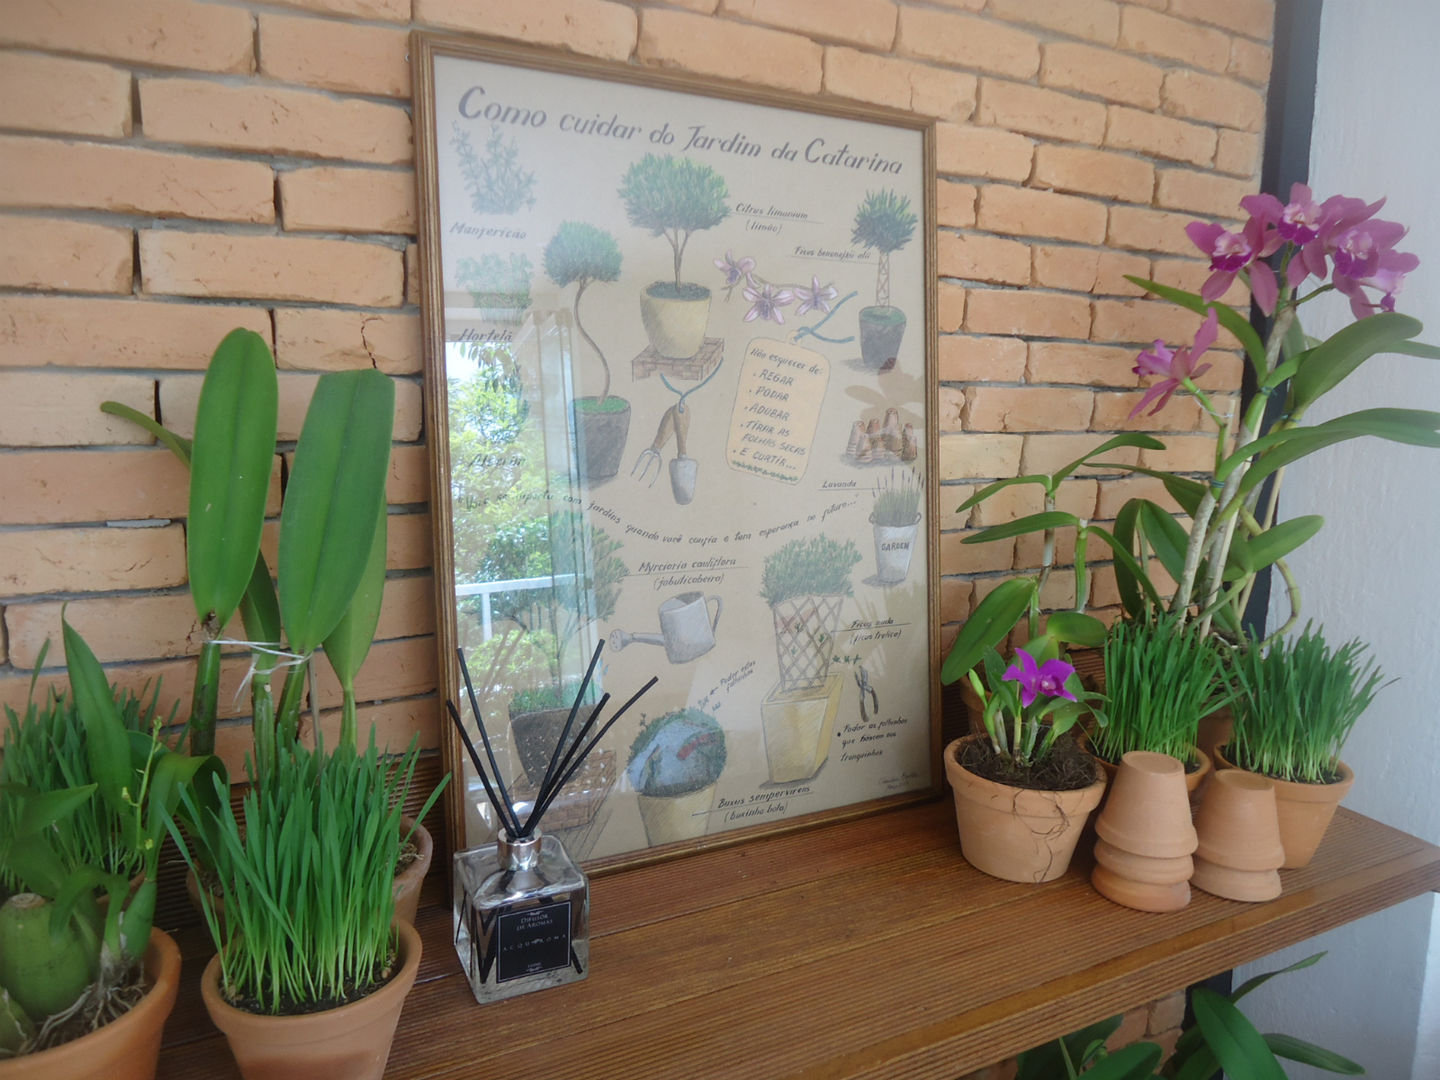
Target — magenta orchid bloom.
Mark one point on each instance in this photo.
(766, 302)
(1177, 366)
(1035, 679)
(815, 298)
(1231, 252)
(1387, 278)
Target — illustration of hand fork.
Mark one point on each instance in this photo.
(651, 454)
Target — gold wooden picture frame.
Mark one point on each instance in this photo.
(665, 414)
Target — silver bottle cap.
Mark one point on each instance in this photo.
(518, 854)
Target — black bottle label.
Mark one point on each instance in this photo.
(533, 941)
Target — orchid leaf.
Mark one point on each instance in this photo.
(348, 644)
(1417, 348)
(994, 618)
(1166, 536)
(1241, 1051)
(1182, 489)
(1253, 553)
(259, 608)
(41, 811)
(990, 489)
(179, 446)
(1413, 426)
(1287, 1046)
(172, 775)
(1199, 1065)
(107, 747)
(1231, 319)
(1260, 980)
(1045, 1062)
(230, 460)
(1077, 628)
(1327, 364)
(1134, 1062)
(1130, 576)
(1129, 438)
(1050, 519)
(328, 518)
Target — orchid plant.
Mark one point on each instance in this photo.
(1027, 706)
(769, 299)
(1335, 245)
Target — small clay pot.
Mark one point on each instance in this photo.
(1239, 855)
(351, 1042)
(1305, 811)
(409, 880)
(1145, 835)
(1194, 778)
(1215, 730)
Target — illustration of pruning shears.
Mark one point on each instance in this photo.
(684, 470)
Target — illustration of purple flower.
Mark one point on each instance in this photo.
(766, 302)
(1035, 679)
(815, 298)
(1178, 366)
(735, 270)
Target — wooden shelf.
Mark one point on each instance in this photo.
(866, 949)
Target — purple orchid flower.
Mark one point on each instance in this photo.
(1338, 215)
(1231, 252)
(1035, 679)
(734, 269)
(766, 302)
(815, 298)
(1177, 366)
(1387, 278)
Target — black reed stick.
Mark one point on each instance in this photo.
(543, 794)
(574, 708)
(475, 760)
(485, 738)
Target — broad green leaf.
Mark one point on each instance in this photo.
(1166, 536)
(990, 489)
(1260, 980)
(172, 775)
(348, 644)
(1145, 442)
(1238, 1046)
(994, 617)
(230, 461)
(328, 517)
(1417, 348)
(1050, 519)
(1134, 1062)
(180, 447)
(1045, 1062)
(1287, 1046)
(1199, 1064)
(1130, 576)
(1336, 357)
(259, 609)
(1253, 553)
(1231, 319)
(1413, 426)
(1286, 370)
(41, 811)
(1077, 628)
(107, 747)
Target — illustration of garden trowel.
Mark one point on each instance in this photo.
(683, 469)
(687, 629)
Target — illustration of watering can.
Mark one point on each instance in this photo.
(687, 629)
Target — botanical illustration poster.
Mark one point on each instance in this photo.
(685, 382)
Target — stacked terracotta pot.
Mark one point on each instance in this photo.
(1145, 836)
(1239, 853)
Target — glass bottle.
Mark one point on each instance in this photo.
(522, 916)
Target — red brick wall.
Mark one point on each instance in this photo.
(170, 169)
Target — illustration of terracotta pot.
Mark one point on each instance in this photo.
(668, 818)
(675, 324)
(881, 330)
(894, 544)
(600, 433)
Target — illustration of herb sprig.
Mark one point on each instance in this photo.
(496, 183)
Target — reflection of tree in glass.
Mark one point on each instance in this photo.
(497, 283)
(496, 183)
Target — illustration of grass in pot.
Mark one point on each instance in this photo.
(674, 198)
(805, 582)
(674, 764)
(582, 254)
(884, 222)
(896, 520)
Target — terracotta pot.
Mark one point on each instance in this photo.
(1239, 855)
(1146, 837)
(1015, 833)
(348, 1043)
(1305, 812)
(409, 880)
(1215, 730)
(1193, 779)
(124, 1049)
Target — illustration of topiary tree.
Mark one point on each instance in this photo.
(673, 198)
(885, 222)
(583, 254)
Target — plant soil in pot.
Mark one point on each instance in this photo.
(351, 1042)
(128, 1047)
(1017, 834)
(1240, 853)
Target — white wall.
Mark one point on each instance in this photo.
(1372, 572)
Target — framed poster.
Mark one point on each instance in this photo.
(680, 401)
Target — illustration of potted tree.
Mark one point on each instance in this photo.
(583, 254)
(896, 520)
(884, 222)
(674, 197)
(674, 764)
(805, 582)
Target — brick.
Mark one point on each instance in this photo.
(955, 204)
(705, 7)
(1237, 153)
(751, 54)
(1027, 212)
(978, 257)
(955, 594)
(1030, 313)
(951, 307)
(315, 339)
(899, 84)
(48, 93)
(42, 331)
(388, 10)
(1154, 34)
(52, 173)
(1112, 413)
(1167, 1013)
(1114, 265)
(964, 457)
(1076, 269)
(185, 34)
(412, 274)
(969, 358)
(1149, 230)
(1132, 1029)
(591, 27)
(1103, 73)
(1020, 500)
(409, 481)
(1204, 193)
(1030, 556)
(60, 409)
(1048, 454)
(1255, 18)
(334, 55)
(1212, 99)
(1093, 20)
(1142, 321)
(1159, 136)
(951, 407)
(1114, 494)
(1182, 453)
(962, 5)
(1190, 275)
(962, 150)
(950, 497)
(1027, 408)
(867, 23)
(274, 120)
(1088, 365)
(335, 199)
(117, 628)
(91, 560)
(270, 267)
(50, 253)
(967, 42)
(958, 557)
(1035, 111)
(410, 546)
(1250, 61)
(179, 395)
(1094, 172)
(395, 723)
